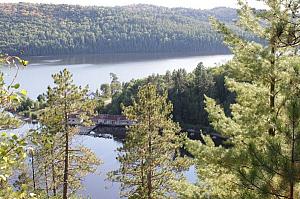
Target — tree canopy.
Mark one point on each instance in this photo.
(46, 29)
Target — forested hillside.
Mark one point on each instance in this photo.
(44, 29)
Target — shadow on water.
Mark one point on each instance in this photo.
(105, 144)
(107, 58)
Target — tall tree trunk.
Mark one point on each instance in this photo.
(272, 85)
(149, 173)
(142, 175)
(33, 171)
(46, 180)
(66, 161)
(272, 104)
(53, 171)
(66, 168)
(291, 195)
(149, 159)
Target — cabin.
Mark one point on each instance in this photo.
(111, 120)
(102, 119)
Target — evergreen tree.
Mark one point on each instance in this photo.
(203, 85)
(149, 157)
(105, 90)
(65, 102)
(264, 122)
(115, 85)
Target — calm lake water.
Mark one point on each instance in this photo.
(94, 70)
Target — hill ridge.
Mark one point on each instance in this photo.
(51, 29)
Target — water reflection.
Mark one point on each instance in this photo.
(108, 58)
(105, 149)
(96, 185)
(94, 70)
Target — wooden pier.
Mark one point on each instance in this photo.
(115, 126)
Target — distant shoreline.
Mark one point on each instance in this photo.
(112, 57)
(182, 54)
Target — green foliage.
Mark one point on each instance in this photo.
(61, 166)
(12, 147)
(26, 105)
(186, 92)
(115, 85)
(67, 29)
(149, 157)
(264, 124)
(99, 105)
(12, 154)
(105, 90)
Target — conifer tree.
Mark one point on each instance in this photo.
(263, 127)
(65, 162)
(115, 85)
(149, 157)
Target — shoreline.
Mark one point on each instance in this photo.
(111, 58)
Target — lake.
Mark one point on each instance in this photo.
(94, 70)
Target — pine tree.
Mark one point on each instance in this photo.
(115, 85)
(264, 122)
(64, 101)
(149, 157)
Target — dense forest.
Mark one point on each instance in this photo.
(44, 29)
(185, 90)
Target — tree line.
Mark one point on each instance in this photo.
(185, 90)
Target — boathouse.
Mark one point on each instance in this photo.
(111, 120)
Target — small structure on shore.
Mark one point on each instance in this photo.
(102, 119)
(111, 120)
(104, 124)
